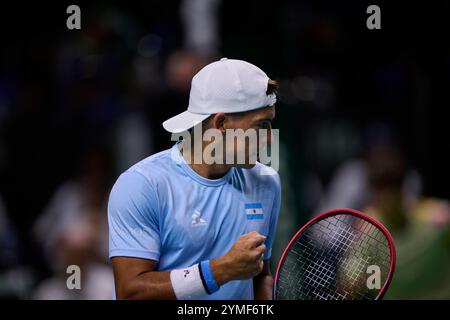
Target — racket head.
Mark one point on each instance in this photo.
(357, 217)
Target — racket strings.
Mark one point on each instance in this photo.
(329, 260)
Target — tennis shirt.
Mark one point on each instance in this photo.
(161, 209)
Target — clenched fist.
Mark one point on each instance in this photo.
(243, 261)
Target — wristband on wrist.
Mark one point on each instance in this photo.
(187, 283)
(207, 277)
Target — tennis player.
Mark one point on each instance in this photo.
(179, 229)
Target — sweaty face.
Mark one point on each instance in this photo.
(250, 130)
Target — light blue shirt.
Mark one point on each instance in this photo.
(161, 209)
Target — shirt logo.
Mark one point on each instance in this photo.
(254, 211)
(197, 220)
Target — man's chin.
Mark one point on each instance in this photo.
(246, 165)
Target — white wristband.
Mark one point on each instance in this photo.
(187, 283)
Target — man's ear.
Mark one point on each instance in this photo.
(218, 121)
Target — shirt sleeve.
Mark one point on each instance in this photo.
(133, 218)
(273, 220)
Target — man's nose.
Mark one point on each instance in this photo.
(266, 135)
(269, 134)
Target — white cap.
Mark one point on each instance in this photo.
(223, 86)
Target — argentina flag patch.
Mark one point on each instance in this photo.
(254, 211)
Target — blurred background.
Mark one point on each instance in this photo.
(361, 115)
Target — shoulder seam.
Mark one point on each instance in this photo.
(153, 189)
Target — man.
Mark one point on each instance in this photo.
(183, 229)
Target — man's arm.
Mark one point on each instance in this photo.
(263, 283)
(135, 278)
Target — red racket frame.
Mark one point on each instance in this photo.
(353, 213)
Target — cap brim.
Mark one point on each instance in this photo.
(183, 121)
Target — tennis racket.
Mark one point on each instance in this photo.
(341, 254)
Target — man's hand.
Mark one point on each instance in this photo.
(136, 278)
(243, 261)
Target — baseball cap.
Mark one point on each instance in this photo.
(227, 85)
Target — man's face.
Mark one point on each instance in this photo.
(255, 123)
